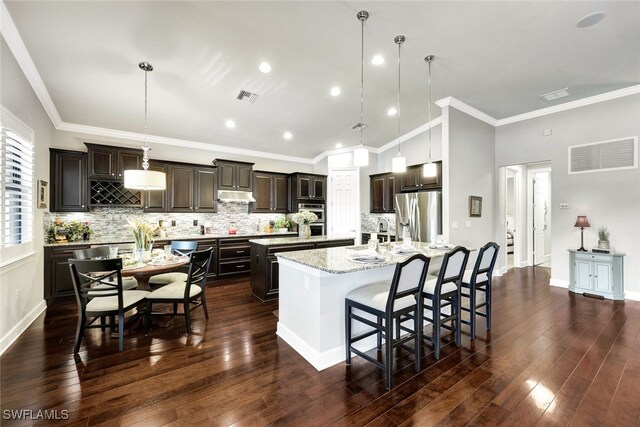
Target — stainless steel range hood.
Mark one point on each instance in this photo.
(235, 196)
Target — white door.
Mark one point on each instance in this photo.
(540, 217)
(344, 202)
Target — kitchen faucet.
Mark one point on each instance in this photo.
(388, 228)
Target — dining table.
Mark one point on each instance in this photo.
(142, 272)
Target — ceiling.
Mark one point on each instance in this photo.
(495, 56)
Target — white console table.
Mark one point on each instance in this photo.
(597, 274)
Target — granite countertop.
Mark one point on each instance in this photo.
(115, 240)
(336, 260)
(289, 240)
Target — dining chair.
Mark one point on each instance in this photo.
(396, 301)
(180, 248)
(444, 291)
(479, 279)
(102, 252)
(110, 300)
(190, 293)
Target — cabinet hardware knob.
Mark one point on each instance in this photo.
(113, 174)
(197, 207)
(82, 206)
(119, 174)
(190, 207)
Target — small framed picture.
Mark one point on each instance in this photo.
(475, 206)
(43, 194)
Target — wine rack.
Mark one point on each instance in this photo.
(113, 193)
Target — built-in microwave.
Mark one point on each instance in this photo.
(317, 209)
(317, 229)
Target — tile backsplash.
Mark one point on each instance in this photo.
(113, 222)
(371, 222)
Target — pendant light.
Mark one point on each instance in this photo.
(399, 163)
(360, 153)
(135, 179)
(429, 170)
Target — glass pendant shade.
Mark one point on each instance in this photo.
(399, 164)
(135, 179)
(430, 170)
(360, 156)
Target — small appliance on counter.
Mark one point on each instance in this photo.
(233, 229)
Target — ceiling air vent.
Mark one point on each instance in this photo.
(247, 96)
(556, 94)
(603, 156)
(357, 126)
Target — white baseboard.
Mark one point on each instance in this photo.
(631, 295)
(524, 264)
(559, 283)
(21, 326)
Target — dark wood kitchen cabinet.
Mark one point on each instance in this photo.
(412, 179)
(57, 278)
(109, 163)
(383, 188)
(234, 176)
(271, 191)
(205, 197)
(309, 186)
(68, 176)
(156, 200)
(191, 188)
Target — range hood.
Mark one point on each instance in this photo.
(235, 196)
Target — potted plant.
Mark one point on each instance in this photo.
(303, 219)
(143, 236)
(603, 238)
(282, 225)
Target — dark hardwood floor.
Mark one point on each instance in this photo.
(551, 358)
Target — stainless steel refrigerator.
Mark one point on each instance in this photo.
(421, 214)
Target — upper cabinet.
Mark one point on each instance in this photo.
(156, 200)
(271, 191)
(383, 188)
(68, 177)
(234, 176)
(412, 179)
(191, 188)
(309, 187)
(109, 163)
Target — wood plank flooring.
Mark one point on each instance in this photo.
(552, 358)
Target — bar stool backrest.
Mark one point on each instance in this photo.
(198, 269)
(104, 273)
(408, 278)
(183, 248)
(453, 265)
(486, 261)
(97, 252)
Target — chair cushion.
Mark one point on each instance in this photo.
(166, 278)
(174, 291)
(129, 298)
(430, 286)
(128, 283)
(482, 277)
(376, 295)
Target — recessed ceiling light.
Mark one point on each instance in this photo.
(392, 111)
(591, 19)
(335, 91)
(377, 60)
(287, 135)
(339, 145)
(265, 67)
(230, 124)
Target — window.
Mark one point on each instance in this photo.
(16, 188)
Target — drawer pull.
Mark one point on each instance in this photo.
(240, 252)
(240, 266)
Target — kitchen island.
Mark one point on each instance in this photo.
(264, 264)
(313, 286)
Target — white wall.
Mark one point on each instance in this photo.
(415, 150)
(21, 283)
(610, 199)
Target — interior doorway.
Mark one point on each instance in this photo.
(541, 216)
(343, 202)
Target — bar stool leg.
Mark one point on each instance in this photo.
(347, 328)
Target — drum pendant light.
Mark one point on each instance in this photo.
(429, 170)
(399, 163)
(360, 153)
(136, 179)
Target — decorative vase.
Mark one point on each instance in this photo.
(283, 230)
(603, 244)
(143, 255)
(304, 231)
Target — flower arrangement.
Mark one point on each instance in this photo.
(142, 233)
(282, 223)
(603, 234)
(70, 231)
(304, 217)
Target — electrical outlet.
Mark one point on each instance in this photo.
(454, 224)
(17, 294)
(173, 223)
(195, 222)
(468, 224)
(547, 132)
(564, 205)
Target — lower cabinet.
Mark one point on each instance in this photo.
(264, 264)
(233, 256)
(382, 238)
(598, 274)
(57, 277)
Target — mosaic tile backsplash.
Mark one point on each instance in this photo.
(371, 222)
(113, 222)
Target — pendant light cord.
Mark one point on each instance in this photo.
(145, 106)
(361, 78)
(399, 68)
(429, 108)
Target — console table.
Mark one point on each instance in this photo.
(597, 274)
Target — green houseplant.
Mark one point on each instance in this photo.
(603, 238)
(282, 225)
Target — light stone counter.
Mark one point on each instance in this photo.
(290, 240)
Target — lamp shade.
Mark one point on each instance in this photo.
(399, 164)
(360, 156)
(135, 179)
(429, 170)
(582, 221)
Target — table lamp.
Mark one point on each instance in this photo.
(582, 222)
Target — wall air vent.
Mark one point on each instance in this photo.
(247, 96)
(357, 126)
(556, 94)
(604, 156)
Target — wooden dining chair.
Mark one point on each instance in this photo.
(479, 280)
(180, 248)
(110, 300)
(190, 293)
(102, 252)
(397, 302)
(444, 291)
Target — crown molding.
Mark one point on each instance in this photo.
(16, 45)
(466, 108)
(182, 143)
(328, 153)
(607, 96)
(415, 132)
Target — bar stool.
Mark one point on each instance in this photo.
(398, 301)
(446, 287)
(180, 248)
(479, 279)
